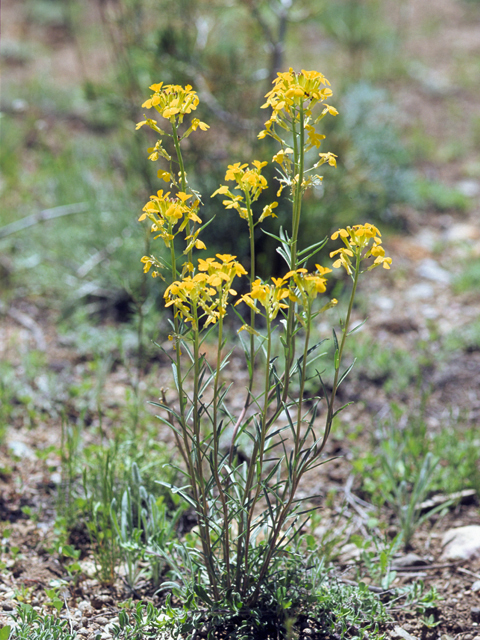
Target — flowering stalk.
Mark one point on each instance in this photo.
(235, 501)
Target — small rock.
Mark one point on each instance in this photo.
(350, 553)
(420, 291)
(461, 232)
(384, 303)
(401, 633)
(97, 602)
(431, 270)
(408, 560)
(468, 188)
(475, 614)
(101, 621)
(476, 586)
(7, 606)
(462, 543)
(21, 450)
(19, 105)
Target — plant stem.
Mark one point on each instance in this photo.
(216, 437)
(251, 228)
(183, 179)
(298, 169)
(330, 413)
(256, 463)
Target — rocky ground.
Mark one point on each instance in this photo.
(402, 312)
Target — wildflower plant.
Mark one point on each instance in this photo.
(248, 511)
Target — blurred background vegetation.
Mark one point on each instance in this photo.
(75, 73)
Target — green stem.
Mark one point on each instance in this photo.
(216, 437)
(196, 465)
(303, 378)
(183, 180)
(251, 228)
(256, 463)
(298, 475)
(330, 413)
(298, 170)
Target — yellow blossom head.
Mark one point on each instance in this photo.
(270, 296)
(166, 213)
(361, 241)
(172, 100)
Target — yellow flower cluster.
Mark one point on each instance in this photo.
(208, 291)
(293, 92)
(357, 239)
(298, 286)
(165, 213)
(309, 284)
(283, 158)
(172, 102)
(292, 99)
(251, 182)
(148, 263)
(292, 89)
(270, 296)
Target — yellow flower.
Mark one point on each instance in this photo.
(314, 139)
(172, 100)
(361, 241)
(251, 182)
(270, 296)
(331, 110)
(148, 263)
(208, 291)
(268, 211)
(164, 175)
(294, 90)
(282, 155)
(307, 285)
(327, 157)
(197, 124)
(165, 213)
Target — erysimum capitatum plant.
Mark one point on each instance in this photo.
(248, 511)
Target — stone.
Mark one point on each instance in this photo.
(462, 543)
(476, 586)
(420, 291)
(350, 553)
(408, 560)
(475, 614)
(384, 303)
(21, 450)
(468, 188)
(431, 270)
(461, 232)
(401, 633)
